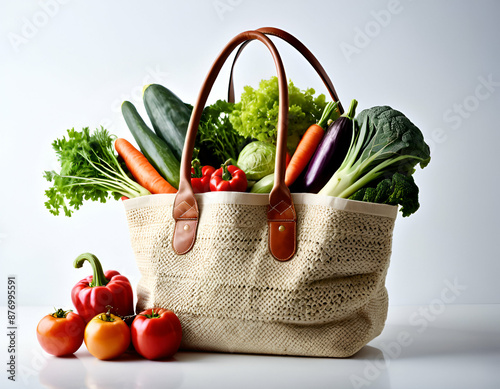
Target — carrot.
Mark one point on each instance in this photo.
(308, 145)
(143, 172)
(288, 158)
(304, 152)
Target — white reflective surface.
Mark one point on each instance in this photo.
(453, 346)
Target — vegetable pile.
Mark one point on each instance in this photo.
(384, 149)
(106, 322)
(367, 157)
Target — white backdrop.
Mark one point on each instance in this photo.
(71, 63)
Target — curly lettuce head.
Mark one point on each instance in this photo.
(256, 115)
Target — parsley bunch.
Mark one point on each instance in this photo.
(217, 140)
(89, 171)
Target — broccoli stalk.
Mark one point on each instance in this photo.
(384, 141)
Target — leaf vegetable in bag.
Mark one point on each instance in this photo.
(257, 159)
(385, 143)
(217, 140)
(256, 115)
(90, 170)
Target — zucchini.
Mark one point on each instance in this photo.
(153, 148)
(169, 116)
(264, 185)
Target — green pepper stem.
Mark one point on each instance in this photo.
(226, 176)
(196, 165)
(98, 278)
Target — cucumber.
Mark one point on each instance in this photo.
(169, 116)
(153, 147)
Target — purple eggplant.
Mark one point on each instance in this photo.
(330, 152)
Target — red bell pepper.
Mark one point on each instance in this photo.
(228, 178)
(94, 293)
(200, 177)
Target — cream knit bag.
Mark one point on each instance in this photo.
(314, 286)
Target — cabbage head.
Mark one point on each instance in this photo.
(257, 159)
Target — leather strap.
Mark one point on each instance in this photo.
(281, 211)
(301, 49)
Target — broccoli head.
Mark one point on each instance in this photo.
(397, 190)
(404, 193)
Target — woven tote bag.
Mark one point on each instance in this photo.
(279, 273)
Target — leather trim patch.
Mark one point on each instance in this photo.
(282, 225)
(282, 239)
(184, 235)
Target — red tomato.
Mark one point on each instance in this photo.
(107, 336)
(156, 333)
(61, 333)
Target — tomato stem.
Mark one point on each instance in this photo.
(60, 313)
(107, 316)
(153, 315)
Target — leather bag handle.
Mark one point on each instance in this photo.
(299, 46)
(281, 211)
